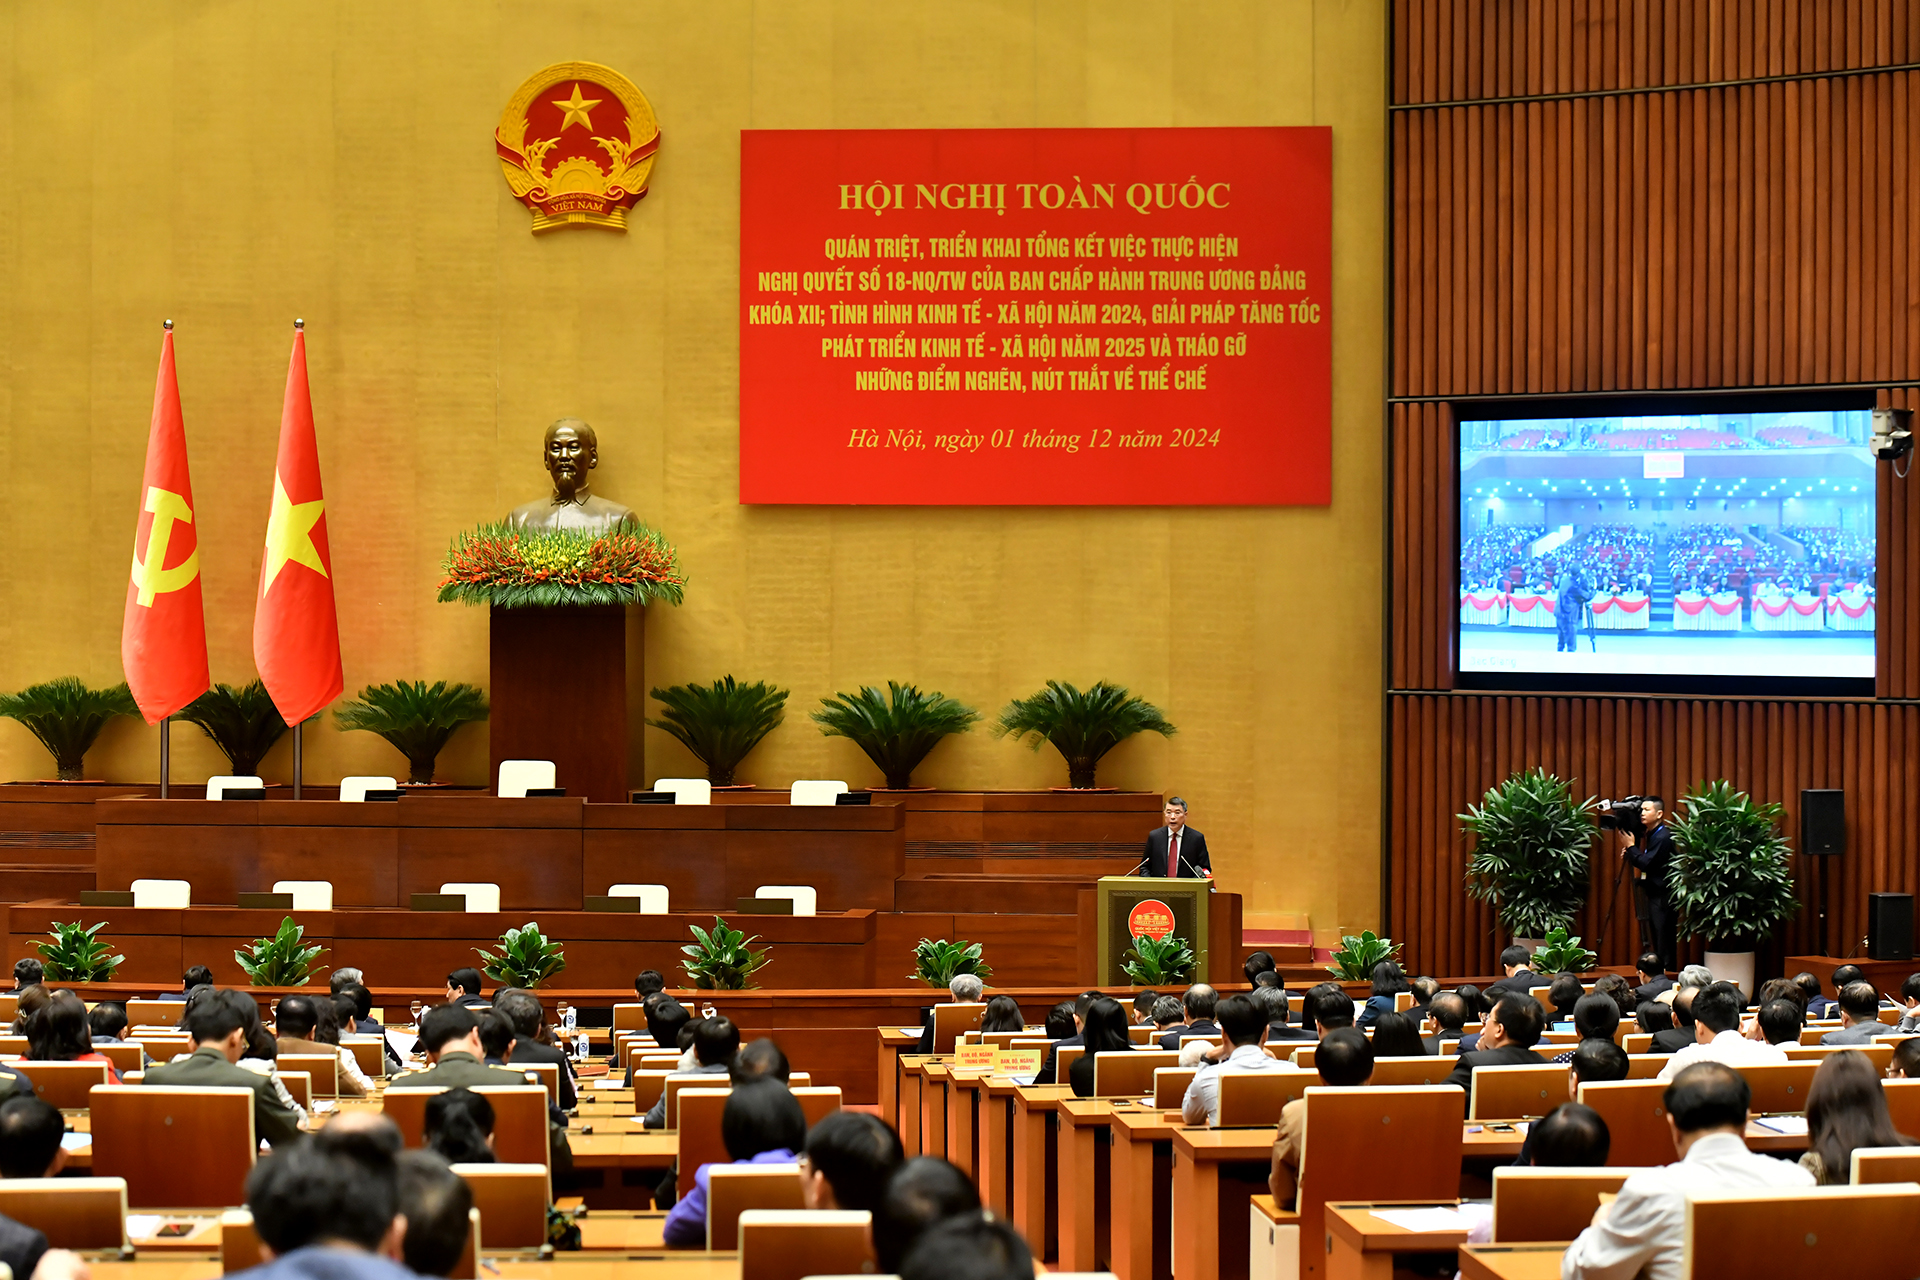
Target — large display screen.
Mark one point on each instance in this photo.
(1690, 546)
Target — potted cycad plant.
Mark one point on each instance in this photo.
(720, 722)
(897, 730)
(1730, 879)
(1531, 842)
(67, 717)
(417, 718)
(241, 720)
(1082, 727)
(76, 954)
(1155, 962)
(937, 962)
(723, 959)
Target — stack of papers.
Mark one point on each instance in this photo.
(1425, 1220)
(1794, 1126)
(75, 1141)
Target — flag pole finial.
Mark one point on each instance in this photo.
(167, 325)
(299, 323)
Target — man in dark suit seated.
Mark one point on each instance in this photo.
(1049, 1067)
(1200, 1001)
(1272, 1001)
(1859, 1016)
(450, 1037)
(1449, 1013)
(1176, 849)
(1511, 1031)
(27, 973)
(1681, 1033)
(463, 989)
(219, 1036)
(1816, 1003)
(1520, 978)
(1654, 981)
(1326, 1008)
(196, 976)
(525, 1012)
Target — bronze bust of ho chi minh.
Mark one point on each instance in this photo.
(571, 453)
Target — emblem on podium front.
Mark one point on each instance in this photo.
(1150, 918)
(577, 143)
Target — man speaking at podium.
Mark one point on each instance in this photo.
(1177, 849)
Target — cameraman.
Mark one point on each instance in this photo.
(1652, 856)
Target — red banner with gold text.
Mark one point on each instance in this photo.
(1036, 316)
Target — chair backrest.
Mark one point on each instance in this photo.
(1802, 1231)
(1254, 1098)
(677, 1082)
(629, 1015)
(1170, 1086)
(791, 1244)
(308, 895)
(175, 895)
(299, 1087)
(155, 1013)
(548, 1073)
(512, 1200)
(1637, 1042)
(148, 1134)
(806, 901)
(12, 1046)
(1645, 1066)
(9, 1008)
(66, 1084)
(1303, 1056)
(517, 777)
(1548, 1204)
(369, 1054)
(732, 1189)
(949, 1020)
(816, 792)
(699, 1128)
(1879, 1053)
(354, 791)
(654, 900)
(519, 1119)
(1903, 1104)
(686, 790)
(124, 1057)
(648, 1086)
(1885, 1164)
(817, 1102)
(1510, 1092)
(1779, 1086)
(1143, 1035)
(220, 784)
(1431, 1069)
(1636, 1116)
(481, 895)
(322, 1070)
(1402, 1001)
(1425, 1122)
(1811, 1035)
(72, 1213)
(1129, 1074)
(239, 1242)
(1066, 1055)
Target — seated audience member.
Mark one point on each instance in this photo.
(1564, 992)
(434, 1200)
(450, 1037)
(976, 1246)
(1049, 1066)
(1717, 1038)
(361, 1022)
(107, 1022)
(1273, 1003)
(1104, 1031)
(923, 1192)
(496, 1037)
(1682, 1033)
(1003, 1014)
(30, 1001)
(1476, 1001)
(1595, 1017)
(1570, 1137)
(459, 1126)
(1653, 1017)
(1143, 1003)
(1645, 1227)
(463, 989)
(761, 1124)
(326, 1039)
(760, 1060)
(30, 973)
(1841, 977)
(219, 1031)
(1517, 963)
(1058, 1024)
(1328, 1008)
(1654, 981)
(665, 1019)
(524, 1012)
(1448, 1013)
(1592, 1061)
(1243, 1030)
(715, 1041)
(330, 1209)
(196, 976)
(1256, 964)
(1693, 976)
(1511, 1031)
(1388, 982)
(1779, 1022)
(1618, 990)
(30, 1132)
(1906, 1060)
(648, 982)
(1395, 1035)
(966, 988)
(1343, 1060)
(343, 977)
(1200, 1002)
(60, 1033)
(1168, 1013)
(295, 1019)
(1859, 1016)
(1424, 990)
(1811, 996)
(849, 1159)
(1846, 1110)
(1271, 978)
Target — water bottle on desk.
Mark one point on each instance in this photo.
(568, 1017)
(582, 1046)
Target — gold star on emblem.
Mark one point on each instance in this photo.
(576, 108)
(290, 534)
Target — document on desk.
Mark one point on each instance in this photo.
(1425, 1220)
(401, 1043)
(1792, 1126)
(75, 1141)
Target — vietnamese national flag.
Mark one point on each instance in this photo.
(163, 636)
(296, 634)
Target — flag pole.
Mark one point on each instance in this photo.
(166, 755)
(296, 760)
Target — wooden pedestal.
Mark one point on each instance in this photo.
(560, 684)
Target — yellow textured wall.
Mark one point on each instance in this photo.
(233, 165)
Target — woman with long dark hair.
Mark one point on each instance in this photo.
(460, 1126)
(1388, 981)
(59, 1032)
(1846, 1110)
(1395, 1035)
(1003, 1014)
(1105, 1031)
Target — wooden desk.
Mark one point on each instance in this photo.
(1035, 1163)
(912, 1084)
(1477, 1142)
(1362, 1246)
(1142, 1191)
(933, 1106)
(1215, 1173)
(1511, 1261)
(965, 1101)
(994, 1174)
(202, 1266)
(894, 1041)
(1086, 1215)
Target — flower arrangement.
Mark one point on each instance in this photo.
(515, 568)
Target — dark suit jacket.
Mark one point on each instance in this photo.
(1287, 1031)
(1518, 984)
(1653, 990)
(474, 1002)
(14, 1083)
(207, 1068)
(1047, 1073)
(1672, 1040)
(1510, 1056)
(1433, 1042)
(1171, 1040)
(1654, 859)
(1193, 853)
(1858, 1033)
(20, 1247)
(459, 1070)
(534, 1051)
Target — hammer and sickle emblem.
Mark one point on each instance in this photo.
(150, 576)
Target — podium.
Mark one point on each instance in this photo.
(1122, 906)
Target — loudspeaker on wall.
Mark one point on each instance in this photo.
(1890, 926)
(1823, 823)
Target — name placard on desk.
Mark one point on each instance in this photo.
(975, 1057)
(1016, 1062)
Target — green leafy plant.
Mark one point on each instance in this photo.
(1562, 954)
(509, 567)
(67, 716)
(721, 722)
(417, 718)
(282, 960)
(76, 954)
(241, 720)
(896, 731)
(1154, 962)
(723, 960)
(524, 958)
(1355, 959)
(938, 962)
(1082, 727)
(1531, 841)
(1730, 878)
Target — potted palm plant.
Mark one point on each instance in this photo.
(1730, 879)
(67, 717)
(524, 958)
(417, 718)
(1531, 841)
(241, 720)
(897, 730)
(1082, 727)
(721, 722)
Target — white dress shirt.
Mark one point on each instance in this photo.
(1647, 1225)
(1729, 1047)
(1202, 1101)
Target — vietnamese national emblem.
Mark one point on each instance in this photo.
(577, 143)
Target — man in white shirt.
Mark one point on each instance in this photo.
(1717, 1038)
(1243, 1030)
(1646, 1226)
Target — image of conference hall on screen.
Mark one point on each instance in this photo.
(1718, 544)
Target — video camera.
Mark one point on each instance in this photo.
(1621, 815)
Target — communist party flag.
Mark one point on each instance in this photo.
(163, 635)
(296, 633)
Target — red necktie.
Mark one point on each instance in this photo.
(1173, 854)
